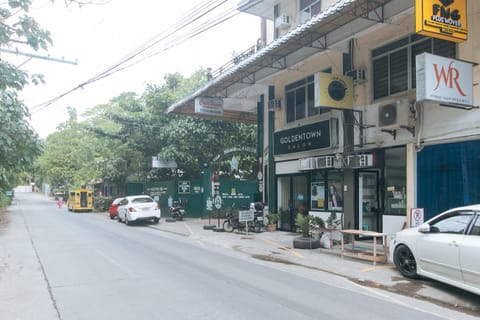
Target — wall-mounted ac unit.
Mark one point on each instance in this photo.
(359, 75)
(324, 162)
(360, 161)
(393, 115)
(274, 105)
(282, 21)
(307, 164)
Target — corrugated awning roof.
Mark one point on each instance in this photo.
(336, 24)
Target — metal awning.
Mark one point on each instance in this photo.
(332, 26)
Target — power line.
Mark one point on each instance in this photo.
(193, 15)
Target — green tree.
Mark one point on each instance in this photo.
(18, 141)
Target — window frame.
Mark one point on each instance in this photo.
(385, 82)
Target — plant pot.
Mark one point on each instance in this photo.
(306, 243)
(271, 227)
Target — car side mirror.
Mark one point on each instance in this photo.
(424, 228)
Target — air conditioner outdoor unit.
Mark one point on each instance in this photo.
(359, 75)
(307, 164)
(324, 162)
(274, 105)
(360, 161)
(282, 21)
(394, 115)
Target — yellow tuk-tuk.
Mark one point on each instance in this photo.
(80, 200)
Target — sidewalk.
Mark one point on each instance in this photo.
(278, 247)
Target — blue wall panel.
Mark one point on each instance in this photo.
(448, 176)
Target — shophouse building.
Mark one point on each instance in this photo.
(365, 108)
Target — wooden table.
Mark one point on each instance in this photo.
(362, 254)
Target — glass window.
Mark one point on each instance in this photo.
(317, 191)
(395, 180)
(311, 7)
(335, 191)
(394, 63)
(476, 228)
(456, 223)
(300, 100)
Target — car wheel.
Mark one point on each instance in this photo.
(405, 261)
(112, 217)
(126, 221)
(155, 220)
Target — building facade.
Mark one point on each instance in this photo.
(345, 125)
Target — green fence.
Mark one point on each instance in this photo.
(195, 195)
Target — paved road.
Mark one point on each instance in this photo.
(55, 264)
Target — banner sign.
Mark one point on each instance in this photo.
(444, 80)
(209, 106)
(442, 19)
(309, 137)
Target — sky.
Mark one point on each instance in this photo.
(98, 36)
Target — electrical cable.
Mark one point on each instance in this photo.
(193, 15)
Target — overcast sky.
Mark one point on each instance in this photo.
(97, 36)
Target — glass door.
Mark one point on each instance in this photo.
(368, 201)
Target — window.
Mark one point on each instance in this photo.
(309, 8)
(455, 223)
(300, 100)
(395, 180)
(476, 228)
(394, 64)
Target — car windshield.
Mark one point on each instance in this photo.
(142, 200)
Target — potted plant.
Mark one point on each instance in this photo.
(272, 220)
(305, 240)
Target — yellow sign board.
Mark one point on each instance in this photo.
(336, 91)
(442, 19)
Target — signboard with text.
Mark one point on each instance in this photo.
(209, 106)
(299, 139)
(442, 19)
(444, 80)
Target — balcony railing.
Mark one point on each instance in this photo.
(235, 61)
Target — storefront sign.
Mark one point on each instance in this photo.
(309, 137)
(442, 19)
(336, 91)
(209, 106)
(444, 80)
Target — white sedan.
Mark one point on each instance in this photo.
(138, 208)
(445, 248)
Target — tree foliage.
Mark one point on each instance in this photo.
(18, 141)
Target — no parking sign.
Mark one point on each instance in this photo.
(416, 217)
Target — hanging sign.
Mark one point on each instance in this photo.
(336, 90)
(444, 80)
(442, 19)
(209, 106)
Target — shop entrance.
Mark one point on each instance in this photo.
(368, 201)
(292, 199)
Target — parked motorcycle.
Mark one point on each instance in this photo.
(177, 210)
(232, 222)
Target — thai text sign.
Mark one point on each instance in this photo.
(209, 106)
(444, 80)
(443, 19)
(245, 215)
(309, 137)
